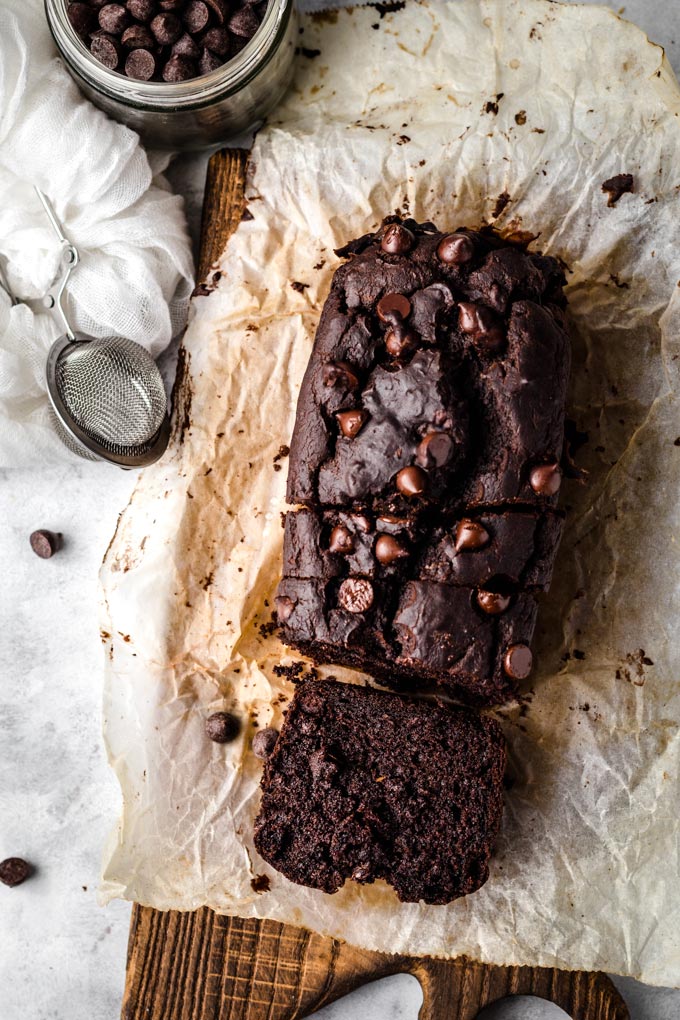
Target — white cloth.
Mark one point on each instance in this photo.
(134, 278)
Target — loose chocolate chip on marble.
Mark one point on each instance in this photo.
(222, 727)
(114, 18)
(393, 305)
(355, 594)
(389, 549)
(400, 341)
(219, 9)
(492, 602)
(352, 422)
(434, 450)
(45, 543)
(264, 742)
(179, 69)
(339, 373)
(341, 540)
(107, 49)
(517, 661)
(217, 40)
(455, 249)
(470, 535)
(196, 16)
(397, 239)
(141, 10)
(186, 46)
(546, 479)
(208, 62)
(141, 65)
(244, 22)
(82, 18)
(481, 324)
(284, 608)
(167, 28)
(137, 37)
(14, 871)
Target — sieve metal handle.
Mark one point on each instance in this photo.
(69, 260)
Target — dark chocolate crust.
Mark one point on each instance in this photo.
(498, 396)
(366, 785)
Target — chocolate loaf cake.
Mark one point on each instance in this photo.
(426, 451)
(364, 784)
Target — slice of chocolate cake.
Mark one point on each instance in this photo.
(369, 785)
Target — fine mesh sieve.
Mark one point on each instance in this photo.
(107, 394)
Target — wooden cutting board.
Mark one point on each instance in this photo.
(203, 966)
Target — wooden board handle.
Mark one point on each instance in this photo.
(203, 966)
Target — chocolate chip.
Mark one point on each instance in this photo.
(141, 65)
(45, 543)
(545, 479)
(179, 69)
(470, 535)
(114, 18)
(264, 742)
(217, 40)
(142, 10)
(389, 549)
(492, 602)
(397, 239)
(222, 727)
(167, 28)
(137, 37)
(82, 18)
(219, 9)
(284, 608)
(14, 871)
(411, 481)
(434, 450)
(355, 594)
(351, 422)
(341, 540)
(196, 16)
(400, 341)
(208, 62)
(393, 307)
(455, 248)
(244, 22)
(186, 46)
(481, 324)
(106, 49)
(517, 661)
(339, 373)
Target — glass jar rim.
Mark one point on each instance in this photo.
(161, 95)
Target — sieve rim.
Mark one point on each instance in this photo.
(140, 456)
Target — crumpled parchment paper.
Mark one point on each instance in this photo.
(506, 111)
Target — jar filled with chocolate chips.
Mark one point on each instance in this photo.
(185, 74)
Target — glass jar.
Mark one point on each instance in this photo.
(198, 113)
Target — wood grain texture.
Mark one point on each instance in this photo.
(203, 966)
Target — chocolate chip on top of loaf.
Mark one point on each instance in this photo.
(368, 785)
(426, 454)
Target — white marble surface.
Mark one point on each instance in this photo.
(61, 956)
